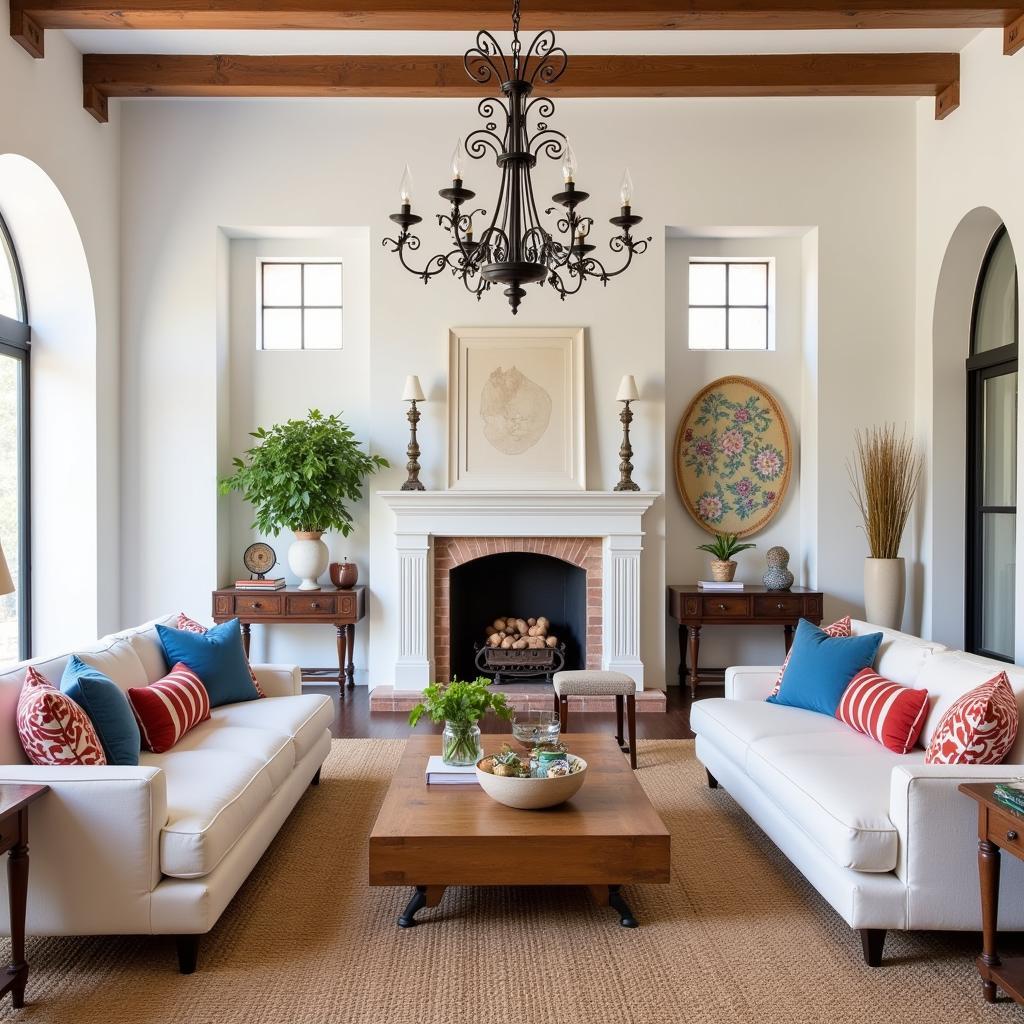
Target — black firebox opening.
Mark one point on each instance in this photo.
(517, 583)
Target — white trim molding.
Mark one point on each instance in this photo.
(616, 517)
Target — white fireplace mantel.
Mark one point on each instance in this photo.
(614, 516)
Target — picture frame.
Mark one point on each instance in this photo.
(516, 416)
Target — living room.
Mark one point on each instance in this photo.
(803, 214)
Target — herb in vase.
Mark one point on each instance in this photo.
(460, 706)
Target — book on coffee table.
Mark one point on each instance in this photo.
(440, 774)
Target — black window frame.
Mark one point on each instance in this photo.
(766, 305)
(982, 366)
(16, 343)
(303, 305)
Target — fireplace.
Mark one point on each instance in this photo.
(517, 584)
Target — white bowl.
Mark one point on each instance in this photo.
(531, 794)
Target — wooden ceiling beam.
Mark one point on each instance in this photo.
(494, 15)
(829, 74)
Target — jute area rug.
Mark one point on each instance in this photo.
(738, 936)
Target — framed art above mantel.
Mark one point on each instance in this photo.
(516, 408)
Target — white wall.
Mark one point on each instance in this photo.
(59, 192)
(782, 371)
(189, 168)
(968, 179)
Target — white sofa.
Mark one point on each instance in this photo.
(887, 840)
(163, 847)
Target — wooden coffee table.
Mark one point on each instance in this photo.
(431, 837)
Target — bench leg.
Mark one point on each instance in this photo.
(619, 703)
(563, 713)
(631, 726)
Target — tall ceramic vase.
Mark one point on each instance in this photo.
(885, 581)
(307, 558)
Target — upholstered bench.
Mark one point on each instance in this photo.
(595, 683)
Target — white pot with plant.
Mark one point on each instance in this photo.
(725, 545)
(885, 473)
(302, 476)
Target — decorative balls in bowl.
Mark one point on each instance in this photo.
(505, 783)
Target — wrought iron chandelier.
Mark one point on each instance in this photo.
(515, 248)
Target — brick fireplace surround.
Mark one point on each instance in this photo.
(450, 552)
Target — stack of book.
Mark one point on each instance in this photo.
(716, 585)
(441, 774)
(1011, 794)
(276, 583)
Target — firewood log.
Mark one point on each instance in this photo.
(519, 645)
(531, 622)
(546, 623)
(522, 626)
(507, 643)
(494, 640)
(551, 641)
(499, 625)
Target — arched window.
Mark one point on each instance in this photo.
(15, 608)
(992, 455)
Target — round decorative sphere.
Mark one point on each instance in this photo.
(778, 576)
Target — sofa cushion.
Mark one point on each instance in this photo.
(108, 710)
(841, 627)
(218, 781)
(979, 728)
(189, 625)
(900, 656)
(732, 725)
(887, 712)
(54, 730)
(302, 718)
(836, 788)
(170, 707)
(216, 656)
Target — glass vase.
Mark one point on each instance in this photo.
(460, 743)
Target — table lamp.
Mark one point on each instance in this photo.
(412, 394)
(627, 393)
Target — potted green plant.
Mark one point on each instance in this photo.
(725, 545)
(460, 706)
(301, 476)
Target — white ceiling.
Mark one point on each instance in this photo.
(317, 42)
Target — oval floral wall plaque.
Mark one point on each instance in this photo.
(733, 457)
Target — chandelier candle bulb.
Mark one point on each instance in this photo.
(626, 191)
(569, 165)
(405, 187)
(458, 163)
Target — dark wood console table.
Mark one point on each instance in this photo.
(693, 608)
(339, 608)
(14, 802)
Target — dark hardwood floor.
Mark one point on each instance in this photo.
(354, 721)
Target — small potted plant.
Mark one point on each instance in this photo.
(301, 477)
(725, 545)
(460, 706)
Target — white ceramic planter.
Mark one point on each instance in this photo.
(885, 581)
(307, 558)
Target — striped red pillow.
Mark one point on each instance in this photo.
(839, 628)
(191, 626)
(890, 714)
(168, 708)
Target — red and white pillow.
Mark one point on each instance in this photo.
(191, 626)
(839, 628)
(889, 713)
(53, 729)
(979, 728)
(168, 708)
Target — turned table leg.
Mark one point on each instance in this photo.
(694, 635)
(17, 888)
(988, 872)
(246, 636)
(351, 669)
(789, 637)
(342, 639)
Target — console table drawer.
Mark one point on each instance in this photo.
(315, 604)
(726, 607)
(1006, 830)
(259, 604)
(770, 605)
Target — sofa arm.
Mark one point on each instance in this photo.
(94, 847)
(279, 680)
(937, 828)
(750, 682)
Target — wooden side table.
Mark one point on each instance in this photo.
(339, 608)
(693, 608)
(14, 803)
(999, 828)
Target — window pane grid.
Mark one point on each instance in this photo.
(748, 332)
(312, 326)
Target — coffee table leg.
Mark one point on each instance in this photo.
(611, 896)
(424, 896)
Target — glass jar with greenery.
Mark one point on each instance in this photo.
(460, 706)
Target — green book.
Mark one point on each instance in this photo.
(1015, 803)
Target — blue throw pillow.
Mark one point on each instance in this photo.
(821, 667)
(108, 710)
(216, 656)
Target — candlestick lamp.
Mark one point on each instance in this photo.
(412, 394)
(627, 393)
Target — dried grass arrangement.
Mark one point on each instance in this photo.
(885, 474)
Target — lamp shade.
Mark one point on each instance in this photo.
(627, 390)
(412, 391)
(6, 583)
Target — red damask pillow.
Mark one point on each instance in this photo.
(191, 626)
(979, 728)
(53, 729)
(839, 628)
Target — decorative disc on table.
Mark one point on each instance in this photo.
(733, 456)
